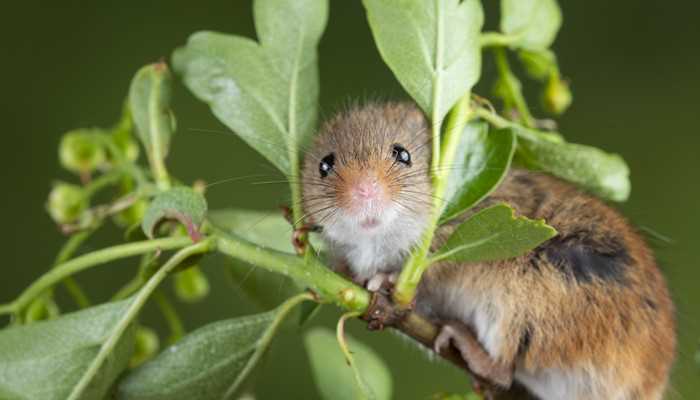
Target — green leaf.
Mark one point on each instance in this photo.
(596, 171)
(180, 203)
(534, 22)
(149, 102)
(265, 228)
(266, 91)
(46, 360)
(482, 161)
(334, 378)
(431, 46)
(209, 363)
(494, 233)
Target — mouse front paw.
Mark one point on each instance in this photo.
(381, 281)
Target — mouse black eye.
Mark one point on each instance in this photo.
(326, 165)
(401, 155)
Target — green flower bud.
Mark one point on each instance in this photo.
(146, 344)
(132, 215)
(556, 97)
(66, 203)
(191, 285)
(80, 151)
(37, 311)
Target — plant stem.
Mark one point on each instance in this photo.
(513, 86)
(132, 311)
(177, 329)
(326, 284)
(264, 342)
(86, 261)
(69, 248)
(526, 133)
(498, 39)
(417, 263)
(435, 118)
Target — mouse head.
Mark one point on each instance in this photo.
(368, 173)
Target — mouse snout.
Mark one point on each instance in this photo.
(367, 189)
(364, 192)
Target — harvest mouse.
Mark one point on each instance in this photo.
(586, 315)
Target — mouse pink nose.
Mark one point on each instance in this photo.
(367, 189)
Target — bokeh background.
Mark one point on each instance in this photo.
(634, 69)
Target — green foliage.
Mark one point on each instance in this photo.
(180, 203)
(265, 91)
(331, 374)
(432, 47)
(492, 234)
(601, 173)
(210, 363)
(482, 158)
(534, 23)
(47, 360)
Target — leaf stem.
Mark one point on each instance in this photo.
(417, 263)
(435, 119)
(177, 329)
(326, 284)
(264, 342)
(513, 87)
(86, 261)
(498, 39)
(132, 311)
(365, 390)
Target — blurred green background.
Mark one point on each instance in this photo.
(634, 68)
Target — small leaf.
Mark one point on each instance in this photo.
(149, 101)
(334, 378)
(191, 285)
(208, 363)
(534, 22)
(266, 91)
(46, 360)
(179, 203)
(431, 46)
(494, 233)
(601, 173)
(481, 161)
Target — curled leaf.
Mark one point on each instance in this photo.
(179, 203)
